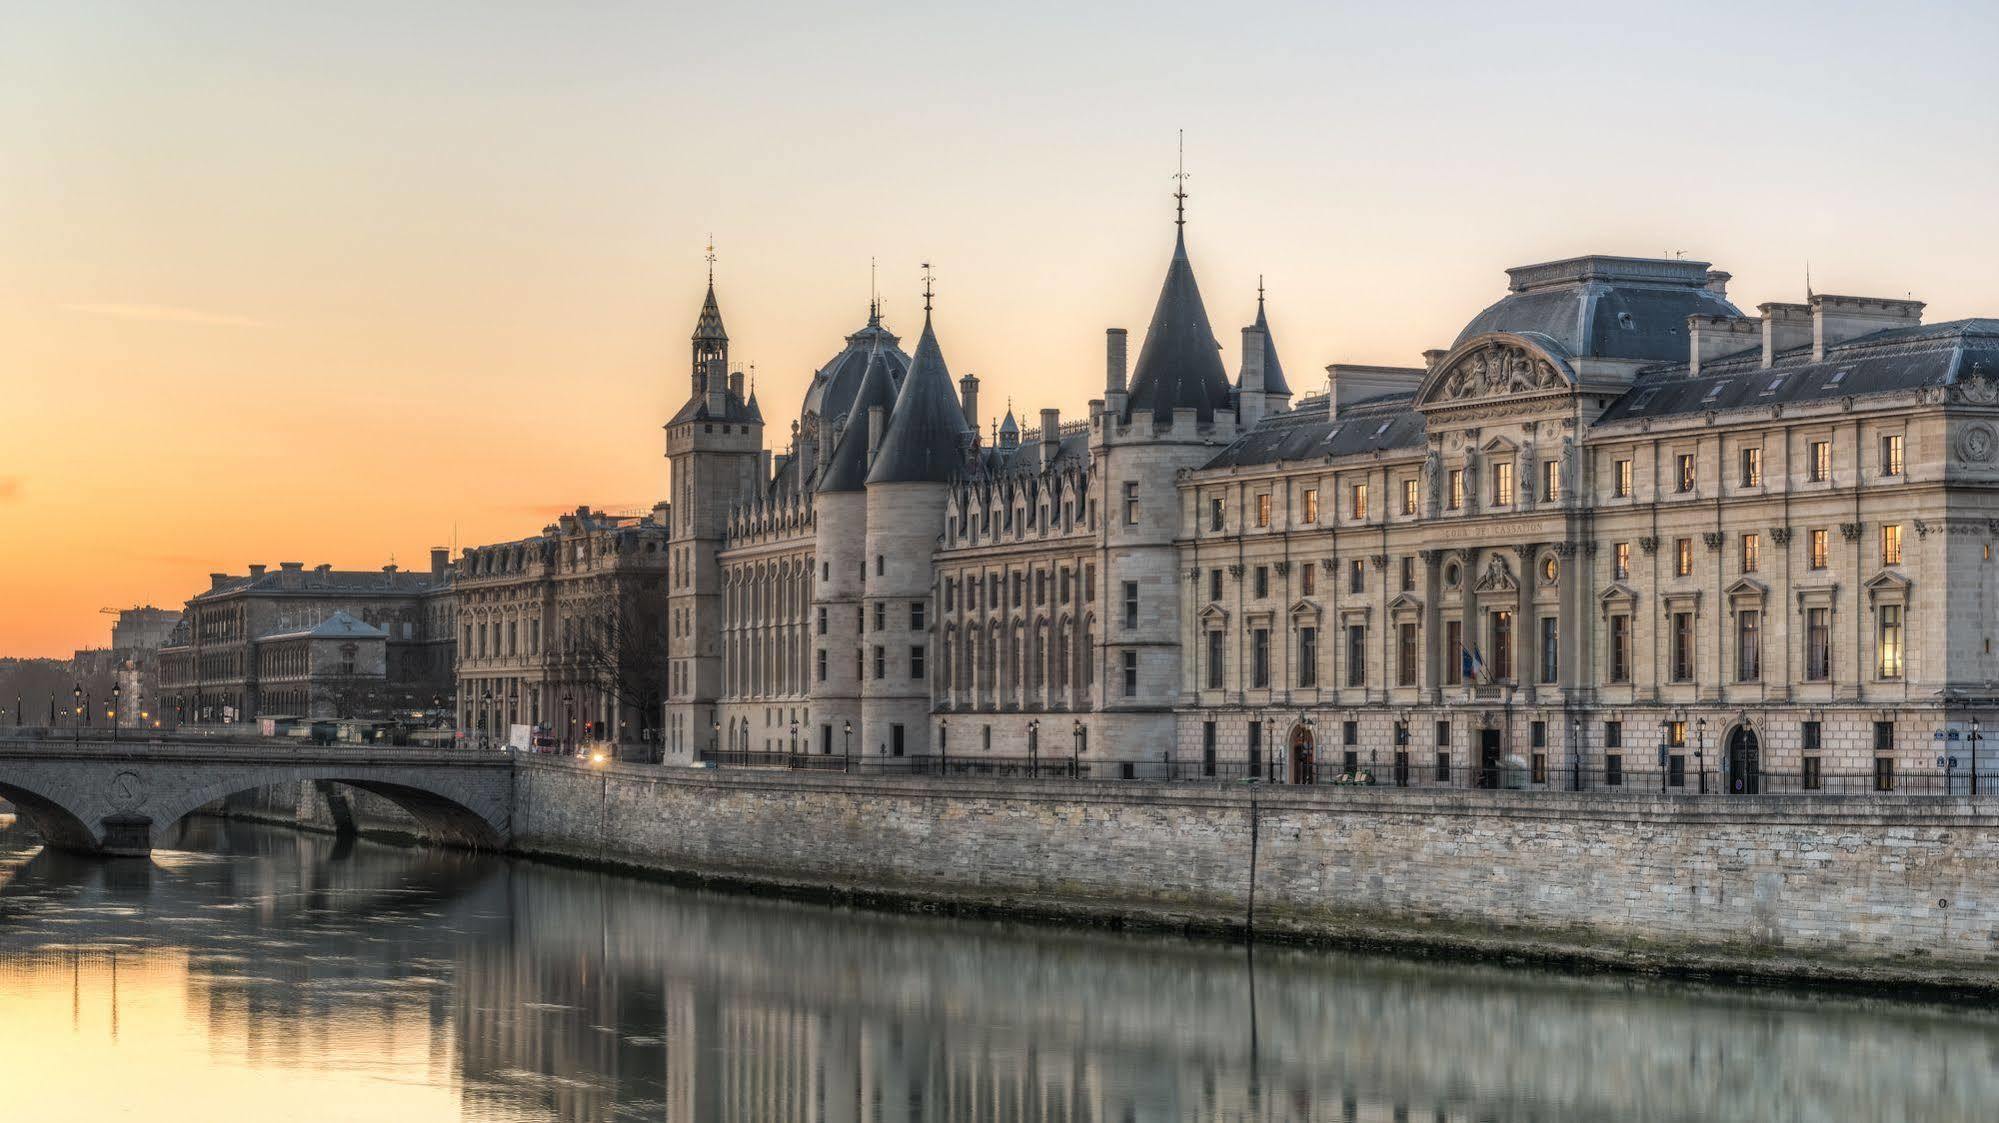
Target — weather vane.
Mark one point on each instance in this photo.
(928, 288)
(711, 259)
(1180, 184)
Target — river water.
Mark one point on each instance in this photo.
(260, 973)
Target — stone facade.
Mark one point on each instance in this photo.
(1618, 532)
(565, 631)
(211, 669)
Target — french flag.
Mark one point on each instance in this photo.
(1473, 665)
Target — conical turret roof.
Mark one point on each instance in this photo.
(708, 325)
(1273, 371)
(1180, 365)
(848, 469)
(927, 435)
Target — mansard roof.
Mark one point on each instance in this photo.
(848, 468)
(1379, 424)
(1882, 362)
(1180, 364)
(340, 625)
(735, 409)
(1606, 307)
(927, 436)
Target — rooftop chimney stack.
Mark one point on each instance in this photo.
(1249, 387)
(256, 571)
(968, 400)
(1051, 434)
(1785, 327)
(736, 383)
(1717, 282)
(717, 389)
(440, 557)
(1711, 336)
(1836, 319)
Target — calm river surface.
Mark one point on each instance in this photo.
(257, 973)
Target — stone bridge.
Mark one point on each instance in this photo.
(125, 798)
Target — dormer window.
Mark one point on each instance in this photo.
(1644, 399)
(1714, 391)
(1838, 377)
(1772, 387)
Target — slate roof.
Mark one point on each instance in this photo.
(735, 410)
(1273, 371)
(834, 385)
(1605, 307)
(1882, 362)
(315, 583)
(927, 436)
(1383, 423)
(1026, 457)
(848, 469)
(1180, 364)
(708, 325)
(340, 625)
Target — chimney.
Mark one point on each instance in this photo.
(877, 421)
(1051, 434)
(1717, 282)
(717, 389)
(1114, 366)
(1249, 386)
(1785, 326)
(1712, 336)
(1836, 319)
(439, 559)
(322, 570)
(968, 399)
(215, 580)
(736, 384)
(256, 571)
(291, 574)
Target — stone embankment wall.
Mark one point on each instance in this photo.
(1883, 890)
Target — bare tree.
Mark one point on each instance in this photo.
(621, 648)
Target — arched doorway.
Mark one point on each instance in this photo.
(1745, 762)
(1302, 766)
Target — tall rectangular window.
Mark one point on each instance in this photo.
(1215, 584)
(1621, 479)
(1207, 748)
(1891, 454)
(1502, 483)
(916, 667)
(1752, 467)
(1683, 647)
(819, 665)
(881, 616)
(1356, 576)
(1217, 508)
(1621, 561)
(1308, 657)
(1818, 461)
(1255, 748)
(1131, 604)
(917, 610)
(1889, 643)
(1131, 674)
(1551, 646)
(1262, 581)
(1308, 580)
(1620, 648)
(1454, 651)
(1752, 553)
(1131, 503)
(1356, 655)
(1684, 472)
(1748, 645)
(881, 661)
(1408, 574)
(1358, 501)
(1891, 544)
(1501, 655)
(1215, 659)
(1683, 557)
(1551, 480)
(1818, 644)
(1263, 509)
(1259, 658)
(1455, 496)
(1411, 496)
(1406, 653)
(1311, 506)
(1820, 549)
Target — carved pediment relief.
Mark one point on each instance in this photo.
(1305, 610)
(1498, 576)
(1215, 616)
(1405, 604)
(1747, 588)
(1888, 585)
(1496, 366)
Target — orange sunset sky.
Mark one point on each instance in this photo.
(340, 282)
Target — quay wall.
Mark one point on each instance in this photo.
(1868, 889)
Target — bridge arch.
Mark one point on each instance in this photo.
(126, 799)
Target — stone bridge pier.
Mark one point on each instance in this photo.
(122, 799)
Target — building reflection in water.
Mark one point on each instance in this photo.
(443, 985)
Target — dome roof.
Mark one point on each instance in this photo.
(1607, 307)
(834, 385)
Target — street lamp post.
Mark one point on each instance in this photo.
(76, 694)
(116, 691)
(846, 746)
(1034, 747)
(943, 746)
(1575, 754)
(568, 722)
(1076, 750)
(794, 740)
(1974, 751)
(1700, 751)
(715, 739)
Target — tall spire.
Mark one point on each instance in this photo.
(1180, 185)
(1180, 365)
(927, 437)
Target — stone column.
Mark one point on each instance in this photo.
(1526, 630)
(1433, 632)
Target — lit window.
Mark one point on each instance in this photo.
(1456, 500)
(1891, 544)
(1819, 467)
(1502, 483)
(1622, 563)
(1410, 493)
(1311, 505)
(1684, 474)
(1623, 479)
(1358, 501)
(1890, 643)
(1891, 454)
(1683, 559)
(1263, 509)
(1820, 550)
(1551, 480)
(1752, 467)
(1752, 550)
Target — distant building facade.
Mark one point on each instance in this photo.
(252, 646)
(565, 631)
(1617, 528)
